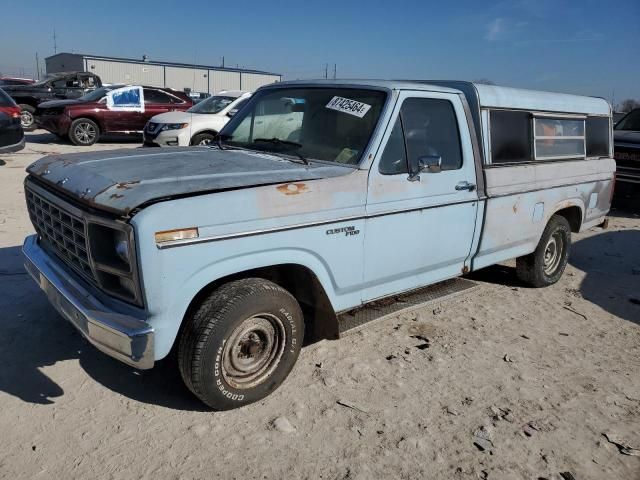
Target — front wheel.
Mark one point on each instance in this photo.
(546, 264)
(202, 139)
(27, 118)
(240, 343)
(84, 132)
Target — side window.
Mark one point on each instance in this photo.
(557, 138)
(510, 137)
(155, 96)
(394, 157)
(61, 83)
(597, 136)
(431, 129)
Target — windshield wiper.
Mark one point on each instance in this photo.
(279, 141)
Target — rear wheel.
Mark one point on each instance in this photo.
(84, 132)
(202, 139)
(546, 264)
(240, 343)
(27, 119)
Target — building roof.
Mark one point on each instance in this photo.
(165, 64)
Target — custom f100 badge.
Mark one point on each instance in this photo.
(351, 230)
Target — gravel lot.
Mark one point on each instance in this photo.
(515, 382)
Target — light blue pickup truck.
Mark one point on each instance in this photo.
(318, 198)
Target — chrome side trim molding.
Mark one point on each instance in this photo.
(296, 226)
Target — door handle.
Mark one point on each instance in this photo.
(466, 186)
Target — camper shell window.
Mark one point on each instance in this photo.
(520, 136)
(510, 136)
(557, 138)
(598, 136)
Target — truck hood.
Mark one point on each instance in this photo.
(119, 181)
(627, 136)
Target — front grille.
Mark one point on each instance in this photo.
(64, 232)
(153, 127)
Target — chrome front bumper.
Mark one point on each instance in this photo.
(123, 337)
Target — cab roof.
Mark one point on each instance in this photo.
(481, 95)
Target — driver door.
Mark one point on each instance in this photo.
(420, 228)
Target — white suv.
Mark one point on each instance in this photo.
(197, 126)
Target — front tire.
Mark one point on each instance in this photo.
(546, 264)
(240, 343)
(202, 139)
(27, 119)
(84, 132)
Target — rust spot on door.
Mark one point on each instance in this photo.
(292, 188)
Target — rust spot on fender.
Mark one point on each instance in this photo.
(115, 195)
(465, 270)
(126, 185)
(292, 188)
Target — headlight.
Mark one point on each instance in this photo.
(174, 126)
(112, 254)
(122, 246)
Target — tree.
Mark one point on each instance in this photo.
(628, 105)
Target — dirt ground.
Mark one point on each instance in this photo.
(514, 383)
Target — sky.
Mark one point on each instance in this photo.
(589, 47)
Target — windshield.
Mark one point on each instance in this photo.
(630, 122)
(213, 104)
(97, 94)
(324, 123)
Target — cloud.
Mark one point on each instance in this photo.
(494, 29)
(583, 36)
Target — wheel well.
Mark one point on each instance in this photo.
(573, 216)
(25, 101)
(320, 319)
(212, 132)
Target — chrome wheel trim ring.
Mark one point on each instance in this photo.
(553, 253)
(253, 351)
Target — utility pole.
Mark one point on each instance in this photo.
(326, 70)
(223, 61)
(335, 67)
(37, 66)
(55, 43)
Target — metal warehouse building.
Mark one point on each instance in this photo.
(179, 76)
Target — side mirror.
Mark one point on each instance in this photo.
(232, 112)
(426, 163)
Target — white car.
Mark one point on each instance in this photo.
(197, 126)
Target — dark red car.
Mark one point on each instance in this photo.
(86, 119)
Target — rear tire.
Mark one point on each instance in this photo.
(84, 132)
(202, 139)
(546, 264)
(27, 119)
(240, 343)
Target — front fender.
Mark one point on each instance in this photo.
(167, 324)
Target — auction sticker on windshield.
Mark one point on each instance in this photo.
(352, 107)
